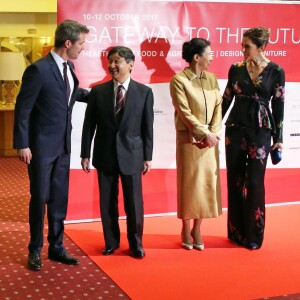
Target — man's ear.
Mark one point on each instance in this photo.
(68, 43)
(131, 64)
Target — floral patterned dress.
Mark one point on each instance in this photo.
(256, 117)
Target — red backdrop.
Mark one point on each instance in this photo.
(155, 32)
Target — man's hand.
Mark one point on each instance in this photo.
(25, 155)
(147, 167)
(85, 164)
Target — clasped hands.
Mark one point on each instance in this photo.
(210, 140)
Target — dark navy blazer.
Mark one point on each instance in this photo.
(42, 113)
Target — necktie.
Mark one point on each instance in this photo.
(120, 101)
(66, 80)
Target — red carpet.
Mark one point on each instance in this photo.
(221, 271)
(55, 281)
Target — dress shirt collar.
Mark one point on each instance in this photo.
(125, 84)
(57, 59)
(191, 76)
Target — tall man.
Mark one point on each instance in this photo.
(42, 135)
(121, 112)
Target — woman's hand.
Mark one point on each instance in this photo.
(201, 145)
(277, 145)
(212, 139)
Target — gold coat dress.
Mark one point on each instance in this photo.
(197, 103)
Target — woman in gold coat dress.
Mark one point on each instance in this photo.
(197, 102)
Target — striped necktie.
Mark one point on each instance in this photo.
(120, 102)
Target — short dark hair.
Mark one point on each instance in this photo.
(194, 46)
(123, 52)
(258, 35)
(68, 30)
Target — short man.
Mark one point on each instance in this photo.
(121, 112)
(42, 135)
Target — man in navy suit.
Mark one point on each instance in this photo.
(122, 148)
(42, 136)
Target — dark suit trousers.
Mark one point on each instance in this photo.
(49, 185)
(133, 204)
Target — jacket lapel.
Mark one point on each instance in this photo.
(76, 83)
(60, 79)
(56, 71)
(110, 105)
(130, 100)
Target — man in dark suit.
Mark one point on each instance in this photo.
(121, 112)
(42, 135)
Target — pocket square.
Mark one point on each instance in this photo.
(276, 156)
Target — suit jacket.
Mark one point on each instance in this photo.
(42, 113)
(125, 147)
(197, 103)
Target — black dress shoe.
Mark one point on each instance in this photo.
(252, 246)
(34, 261)
(63, 257)
(138, 253)
(110, 250)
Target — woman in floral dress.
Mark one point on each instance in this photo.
(255, 84)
